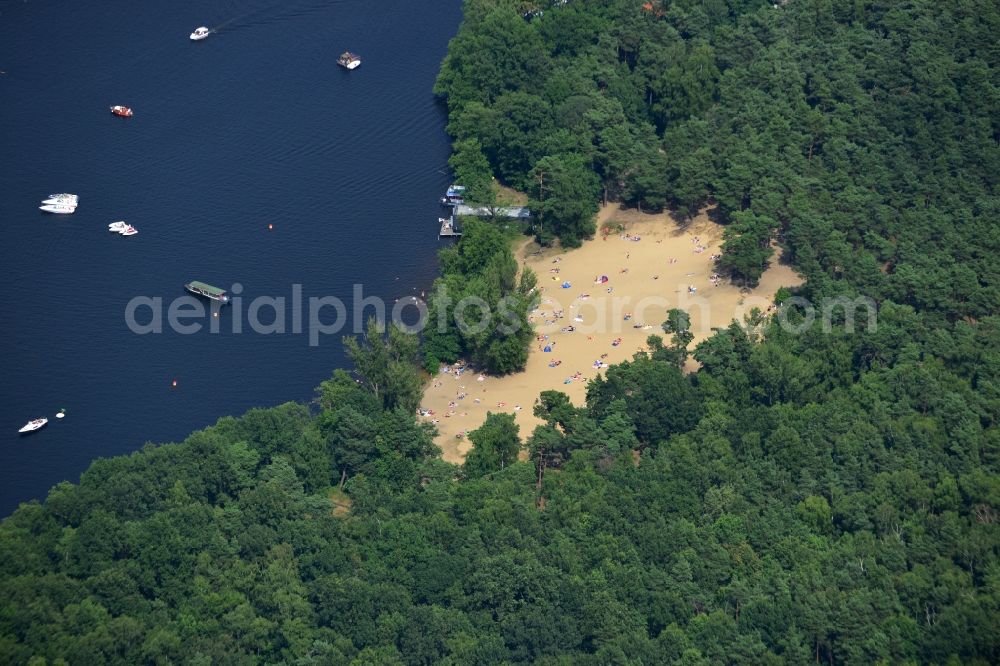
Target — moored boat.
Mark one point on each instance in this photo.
(117, 226)
(208, 291)
(32, 426)
(128, 230)
(61, 201)
(123, 111)
(200, 34)
(60, 209)
(454, 195)
(349, 60)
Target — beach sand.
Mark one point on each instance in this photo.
(646, 277)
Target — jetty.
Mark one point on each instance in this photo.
(449, 227)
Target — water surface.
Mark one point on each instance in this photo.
(252, 127)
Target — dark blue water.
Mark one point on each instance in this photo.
(254, 126)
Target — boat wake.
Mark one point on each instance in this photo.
(260, 16)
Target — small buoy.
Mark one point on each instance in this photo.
(214, 314)
(270, 227)
(174, 383)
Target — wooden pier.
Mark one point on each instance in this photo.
(448, 227)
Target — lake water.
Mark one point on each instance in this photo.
(254, 126)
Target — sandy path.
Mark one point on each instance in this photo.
(645, 278)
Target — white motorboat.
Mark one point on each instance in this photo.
(129, 230)
(32, 426)
(349, 60)
(64, 195)
(118, 226)
(61, 201)
(61, 209)
(200, 34)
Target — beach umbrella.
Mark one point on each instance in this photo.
(566, 285)
(547, 348)
(604, 278)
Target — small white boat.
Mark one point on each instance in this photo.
(59, 201)
(118, 226)
(129, 230)
(32, 426)
(63, 195)
(200, 34)
(61, 209)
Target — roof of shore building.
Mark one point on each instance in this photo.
(518, 212)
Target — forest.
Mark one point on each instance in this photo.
(480, 270)
(813, 495)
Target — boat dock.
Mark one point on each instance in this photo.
(449, 229)
(449, 226)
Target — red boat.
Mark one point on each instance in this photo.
(122, 111)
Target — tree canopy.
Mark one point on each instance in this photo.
(478, 308)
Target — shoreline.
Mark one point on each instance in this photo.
(621, 285)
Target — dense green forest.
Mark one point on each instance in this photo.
(480, 272)
(813, 496)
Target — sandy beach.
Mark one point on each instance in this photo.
(620, 286)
